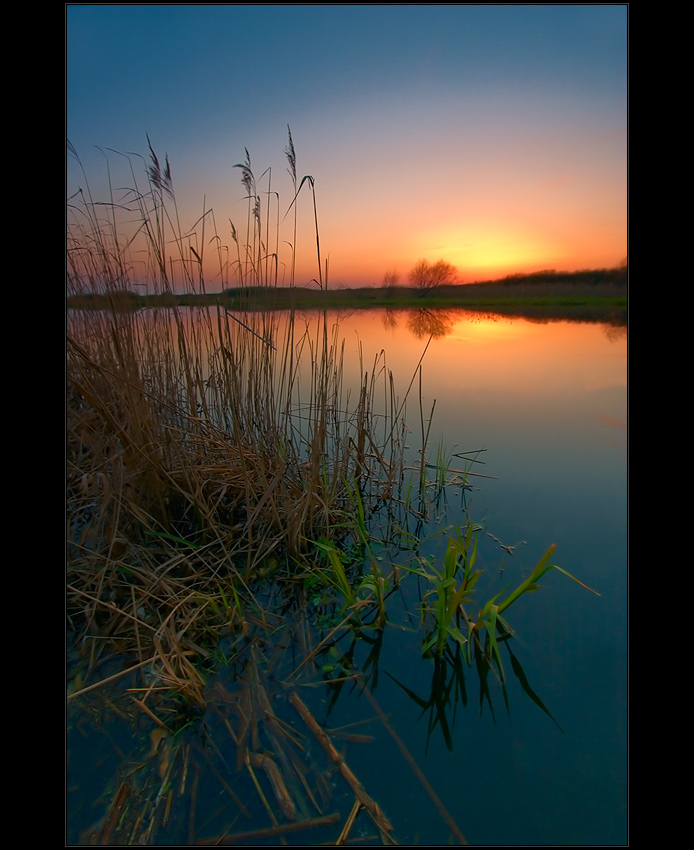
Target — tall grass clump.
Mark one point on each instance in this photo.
(205, 447)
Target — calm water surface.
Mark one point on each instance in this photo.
(548, 404)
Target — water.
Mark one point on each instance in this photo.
(547, 402)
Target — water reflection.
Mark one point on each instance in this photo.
(423, 322)
(426, 322)
(543, 398)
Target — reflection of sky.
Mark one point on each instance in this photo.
(536, 396)
(548, 403)
(493, 137)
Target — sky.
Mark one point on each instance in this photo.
(493, 137)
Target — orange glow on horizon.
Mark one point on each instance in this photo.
(487, 250)
(498, 226)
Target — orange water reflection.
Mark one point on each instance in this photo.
(477, 350)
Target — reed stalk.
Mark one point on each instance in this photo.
(201, 445)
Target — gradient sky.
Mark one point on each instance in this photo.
(493, 136)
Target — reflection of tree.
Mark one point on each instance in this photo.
(434, 323)
(390, 319)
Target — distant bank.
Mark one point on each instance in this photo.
(592, 295)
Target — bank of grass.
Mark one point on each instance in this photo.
(564, 298)
(608, 287)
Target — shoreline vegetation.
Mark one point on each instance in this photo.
(591, 295)
(237, 521)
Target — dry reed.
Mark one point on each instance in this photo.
(204, 450)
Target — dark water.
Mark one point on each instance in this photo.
(547, 403)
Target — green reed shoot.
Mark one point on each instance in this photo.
(531, 583)
(336, 575)
(449, 601)
(445, 599)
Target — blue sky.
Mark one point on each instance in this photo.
(494, 136)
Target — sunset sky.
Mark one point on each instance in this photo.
(493, 137)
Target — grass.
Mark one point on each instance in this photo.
(599, 302)
(448, 607)
(205, 449)
(225, 490)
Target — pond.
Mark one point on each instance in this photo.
(541, 407)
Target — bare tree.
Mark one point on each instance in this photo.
(390, 279)
(425, 276)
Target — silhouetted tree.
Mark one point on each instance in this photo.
(425, 276)
(390, 279)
